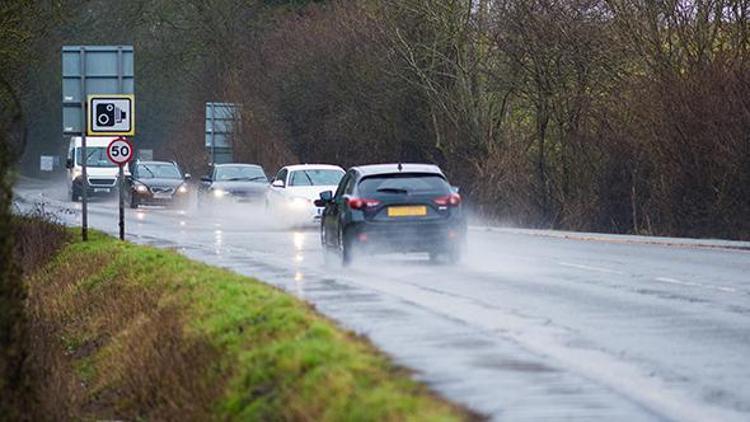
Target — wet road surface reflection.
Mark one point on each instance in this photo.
(527, 328)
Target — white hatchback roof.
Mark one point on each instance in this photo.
(314, 167)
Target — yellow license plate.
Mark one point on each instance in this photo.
(414, 211)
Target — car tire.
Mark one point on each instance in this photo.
(323, 240)
(453, 255)
(345, 248)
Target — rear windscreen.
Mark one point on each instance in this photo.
(409, 184)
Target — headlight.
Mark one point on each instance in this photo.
(141, 188)
(182, 189)
(298, 203)
(219, 193)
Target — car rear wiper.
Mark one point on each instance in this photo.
(393, 190)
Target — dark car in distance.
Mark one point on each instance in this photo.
(234, 182)
(158, 183)
(393, 208)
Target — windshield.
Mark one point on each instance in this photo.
(97, 157)
(158, 171)
(315, 177)
(240, 173)
(410, 184)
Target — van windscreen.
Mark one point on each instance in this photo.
(96, 157)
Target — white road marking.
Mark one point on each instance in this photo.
(694, 284)
(590, 268)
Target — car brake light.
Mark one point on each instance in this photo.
(360, 203)
(452, 200)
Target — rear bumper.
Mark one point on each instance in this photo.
(408, 237)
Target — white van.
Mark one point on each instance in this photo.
(102, 173)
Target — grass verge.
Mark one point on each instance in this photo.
(120, 331)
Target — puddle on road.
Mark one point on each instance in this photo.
(504, 364)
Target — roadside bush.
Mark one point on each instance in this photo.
(36, 238)
(119, 331)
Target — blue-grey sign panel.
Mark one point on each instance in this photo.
(221, 120)
(101, 70)
(223, 156)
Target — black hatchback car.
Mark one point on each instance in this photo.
(158, 183)
(393, 208)
(234, 183)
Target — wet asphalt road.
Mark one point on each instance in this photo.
(528, 327)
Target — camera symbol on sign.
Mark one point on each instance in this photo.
(109, 115)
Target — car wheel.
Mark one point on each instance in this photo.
(345, 248)
(451, 255)
(454, 255)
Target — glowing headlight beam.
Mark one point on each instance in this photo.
(298, 203)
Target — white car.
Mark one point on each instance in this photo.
(292, 193)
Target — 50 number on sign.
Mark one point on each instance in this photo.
(120, 151)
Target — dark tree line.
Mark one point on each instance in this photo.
(627, 116)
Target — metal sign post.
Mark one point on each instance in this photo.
(84, 154)
(121, 194)
(120, 152)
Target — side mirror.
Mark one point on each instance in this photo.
(325, 198)
(206, 179)
(188, 176)
(278, 183)
(69, 163)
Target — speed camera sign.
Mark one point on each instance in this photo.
(120, 151)
(111, 115)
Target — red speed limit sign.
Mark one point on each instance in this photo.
(120, 151)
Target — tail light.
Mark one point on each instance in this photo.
(452, 200)
(361, 203)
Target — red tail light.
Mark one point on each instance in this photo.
(360, 203)
(452, 200)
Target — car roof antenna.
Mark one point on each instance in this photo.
(400, 167)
